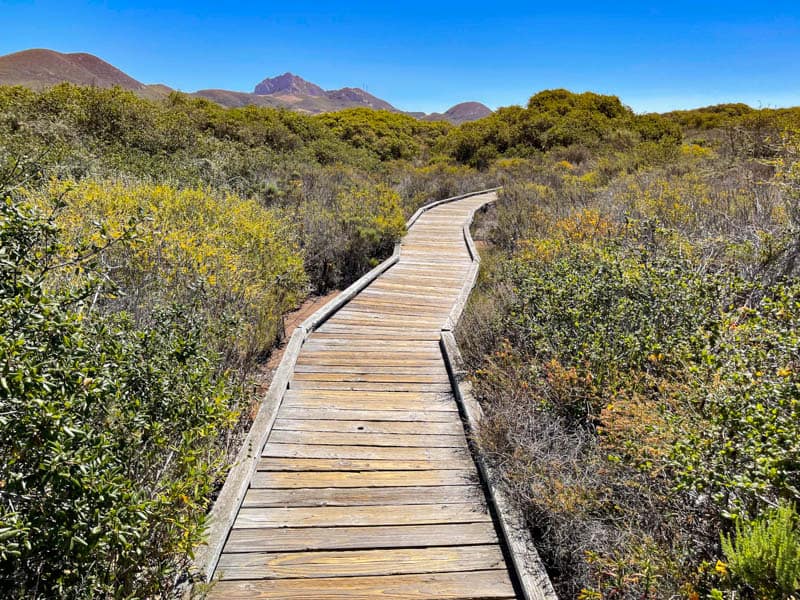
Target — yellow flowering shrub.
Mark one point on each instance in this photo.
(696, 151)
(239, 257)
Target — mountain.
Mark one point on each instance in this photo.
(39, 69)
(461, 113)
(297, 93)
(288, 84)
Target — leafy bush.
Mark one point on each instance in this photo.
(740, 441)
(556, 119)
(108, 433)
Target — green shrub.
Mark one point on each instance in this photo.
(739, 442)
(764, 554)
(108, 434)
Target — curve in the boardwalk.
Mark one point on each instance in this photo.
(365, 487)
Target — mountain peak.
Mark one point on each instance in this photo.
(461, 113)
(288, 84)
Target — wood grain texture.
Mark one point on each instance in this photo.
(365, 496)
(474, 585)
(350, 464)
(350, 563)
(370, 426)
(351, 538)
(363, 516)
(334, 479)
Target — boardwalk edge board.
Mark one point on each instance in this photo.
(530, 573)
(231, 496)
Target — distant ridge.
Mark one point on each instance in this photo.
(461, 113)
(39, 69)
(291, 91)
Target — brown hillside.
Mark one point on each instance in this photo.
(39, 69)
(461, 113)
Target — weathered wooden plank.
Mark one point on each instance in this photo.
(344, 333)
(408, 332)
(359, 516)
(396, 303)
(373, 395)
(421, 299)
(369, 496)
(453, 427)
(350, 563)
(349, 464)
(410, 376)
(364, 414)
(422, 401)
(272, 449)
(396, 298)
(372, 370)
(433, 290)
(385, 324)
(400, 271)
(309, 356)
(361, 343)
(352, 538)
(451, 284)
(370, 359)
(474, 585)
(299, 384)
(326, 479)
(387, 317)
(404, 311)
(366, 439)
(375, 362)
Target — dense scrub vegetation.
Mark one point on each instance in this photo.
(634, 340)
(633, 337)
(110, 431)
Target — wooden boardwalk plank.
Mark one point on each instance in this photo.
(361, 516)
(328, 479)
(350, 563)
(399, 386)
(365, 414)
(316, 438)
(364, 496)
(353, 538)
(473, 585)
(353, 464)
(447, 428)
(277, 450)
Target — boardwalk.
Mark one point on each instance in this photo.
(366, 488)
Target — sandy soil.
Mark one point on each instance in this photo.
(293, 319)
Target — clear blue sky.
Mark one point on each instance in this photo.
(430, 55)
